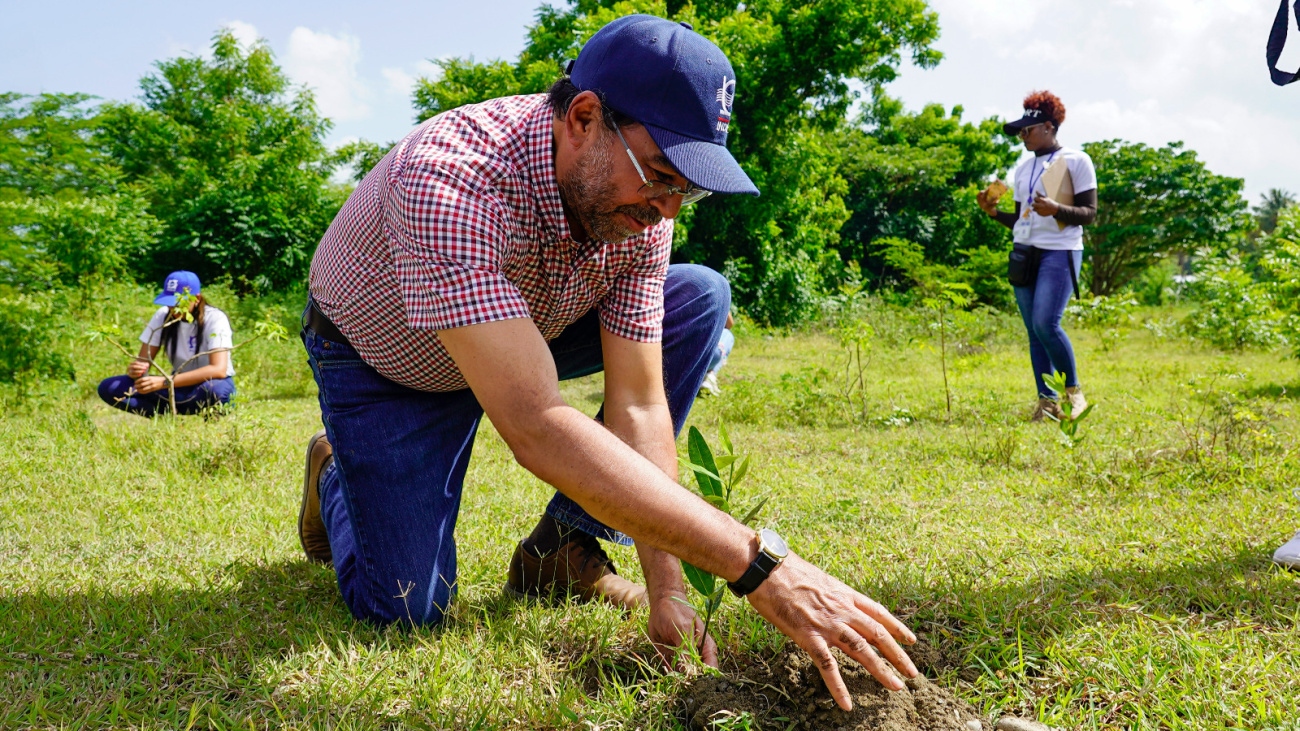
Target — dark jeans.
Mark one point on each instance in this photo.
(392, 495)
(189, 400)
(1041, 307)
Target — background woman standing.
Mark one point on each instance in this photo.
(1056, 231)
(203, 381)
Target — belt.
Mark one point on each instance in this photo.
(321, 325)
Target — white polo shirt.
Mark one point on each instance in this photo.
(1042, 231)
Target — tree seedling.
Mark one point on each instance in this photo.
(1070, 424)
(948, 295)
(717, 477)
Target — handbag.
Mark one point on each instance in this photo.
(1276, 41)
(1022, 265)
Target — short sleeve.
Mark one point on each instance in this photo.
(445, 234)
(152, 334)
(218, 333)
(1082, 173)
(634, 306)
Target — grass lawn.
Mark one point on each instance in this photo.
(150, 574)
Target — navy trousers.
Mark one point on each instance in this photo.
(118, 392)
(391, 498)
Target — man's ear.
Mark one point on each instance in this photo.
(580, 123)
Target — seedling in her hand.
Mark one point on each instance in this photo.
(717, 478)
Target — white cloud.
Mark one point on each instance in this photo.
(328, 65)
(245, 33)
(402, 83)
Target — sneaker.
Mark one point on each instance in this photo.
(1289, 554)
(710, 385)
(1077, 402)
(311, 529)
(578, 568)
(1047, 407)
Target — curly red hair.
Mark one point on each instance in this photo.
(1049, 104)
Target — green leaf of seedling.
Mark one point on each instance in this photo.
(742, 469)
(725, 461)
(719, 502)
(698, 469)
(702, 456)
(726, 440)
(753, 512)
(703, 581)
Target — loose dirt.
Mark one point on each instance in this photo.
(788, 693)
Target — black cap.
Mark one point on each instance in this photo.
(1031, 118)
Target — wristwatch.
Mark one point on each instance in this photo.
(771, 552)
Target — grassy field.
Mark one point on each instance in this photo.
(150, 575)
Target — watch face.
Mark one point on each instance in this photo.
(772, 544)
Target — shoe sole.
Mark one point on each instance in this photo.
(306, 488)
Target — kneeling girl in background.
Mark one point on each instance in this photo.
(201, 382)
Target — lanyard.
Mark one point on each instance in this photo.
(1029, 199)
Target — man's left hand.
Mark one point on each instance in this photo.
(672, 622)
(1045, 206)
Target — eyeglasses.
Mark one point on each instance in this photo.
(1024, 131)
(658, 188)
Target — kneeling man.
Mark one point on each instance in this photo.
(498, 249)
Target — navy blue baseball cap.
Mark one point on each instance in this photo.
(676, 83)
(176, 283)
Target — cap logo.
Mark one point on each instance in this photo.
(726, 97)
(1032, 113)
(171, 285)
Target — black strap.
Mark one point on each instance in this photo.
(1074, 278)
(1276, 41)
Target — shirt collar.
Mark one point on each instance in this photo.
(541, 169)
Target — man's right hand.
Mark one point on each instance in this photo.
(819, 612)
(137, 368)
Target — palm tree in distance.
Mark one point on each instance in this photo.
(1272, 203)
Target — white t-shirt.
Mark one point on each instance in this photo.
(1042, 231)
(216, 332)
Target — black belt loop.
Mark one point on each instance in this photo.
(321, 325)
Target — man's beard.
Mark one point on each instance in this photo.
(589, 193)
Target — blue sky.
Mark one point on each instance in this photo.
(1143, 70)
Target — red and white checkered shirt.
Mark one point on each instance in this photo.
(462, 224)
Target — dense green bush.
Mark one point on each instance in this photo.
(28, 347)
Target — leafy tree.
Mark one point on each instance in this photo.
(1153, 201)
(48, 146)
(64, 213)
(232, 160)
(914, 177)
(1270, 205)
(360, 157)
(794, 60)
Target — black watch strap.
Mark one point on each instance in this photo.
(757, 572)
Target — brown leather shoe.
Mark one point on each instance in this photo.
(311, 529)
(578, 568)
(1047, 407)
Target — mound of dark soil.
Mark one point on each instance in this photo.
(788, 692)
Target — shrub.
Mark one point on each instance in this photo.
(27, 341)
(1234, 312)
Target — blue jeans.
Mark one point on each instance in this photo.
(726, 342)
(115, 392)
(392, 495)
(1041, 307)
